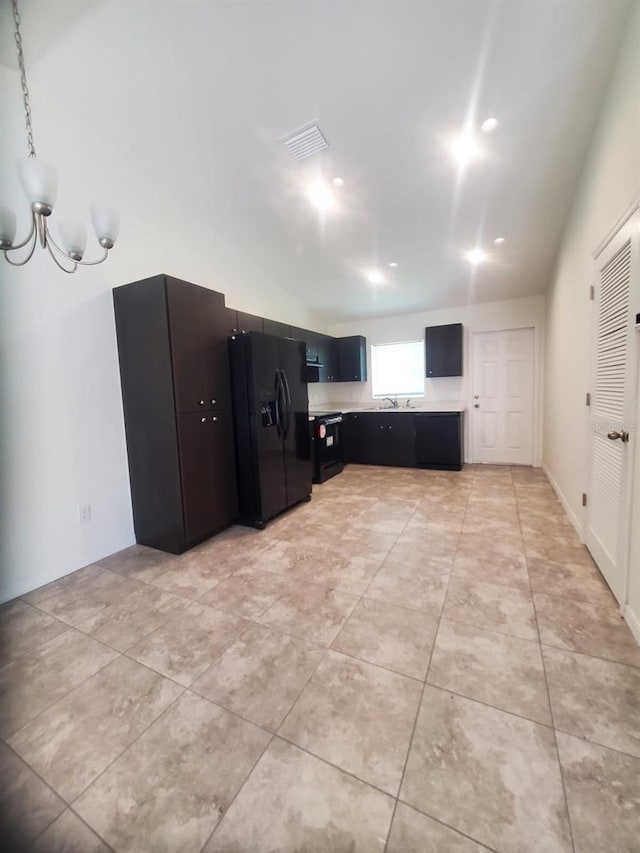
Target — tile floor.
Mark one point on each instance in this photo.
(415, 661)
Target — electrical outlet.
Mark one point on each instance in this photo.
(84, 511)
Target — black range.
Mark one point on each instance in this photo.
(328, 455)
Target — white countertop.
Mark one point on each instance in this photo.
(345, 408)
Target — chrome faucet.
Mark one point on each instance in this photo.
(394, 402)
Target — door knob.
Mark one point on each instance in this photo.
(476, 405)
(615, 435)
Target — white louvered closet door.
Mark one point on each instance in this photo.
(614, 360)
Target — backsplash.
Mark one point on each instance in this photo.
(448, 389)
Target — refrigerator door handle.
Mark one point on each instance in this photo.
(277, 404)
(287, 393)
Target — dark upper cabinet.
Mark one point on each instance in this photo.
(443, 350)
(328, 358)
(198, 334)
(249, 323)
(231, 321)
(439, 440)
(352, 359)
(310, 340)
(280, 330)
(173, 354)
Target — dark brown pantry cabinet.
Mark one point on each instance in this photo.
(174, 370)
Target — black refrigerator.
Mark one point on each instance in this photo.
(271, 416)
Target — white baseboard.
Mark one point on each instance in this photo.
(633, 622)
(32, 582)
(573, 518)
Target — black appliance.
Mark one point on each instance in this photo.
(271, 414)
(328, 455)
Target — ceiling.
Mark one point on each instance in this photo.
(199, 93)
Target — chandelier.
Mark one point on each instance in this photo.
(40, 183)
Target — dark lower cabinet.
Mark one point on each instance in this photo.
(404, 440)
(439, 440)
(208, 473)
(379, 439)
(353, 438)
(393, 440)
(181, 461)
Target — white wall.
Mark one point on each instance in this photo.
(610, 180)
(487, 317)
(61, 427)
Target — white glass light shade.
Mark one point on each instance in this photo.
(106, 222)
(74, 237)
(39, 180)
(7, 226)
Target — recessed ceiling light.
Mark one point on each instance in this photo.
(465, 148)
(489, 124)
(337, 182)
(375, 277)
(475, 256)
(393, 264)
(321, 196)
(498, 241)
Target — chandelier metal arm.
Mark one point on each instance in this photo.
(62, 267)
(51, 242)
(27, 238)
(34, 240)
(94, 263)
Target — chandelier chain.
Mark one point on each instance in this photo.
(23, 80)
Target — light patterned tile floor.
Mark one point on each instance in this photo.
(414, 661)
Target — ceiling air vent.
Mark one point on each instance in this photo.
(305, 142)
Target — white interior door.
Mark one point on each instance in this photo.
(502, 413)
(612, 413)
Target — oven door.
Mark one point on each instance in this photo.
(328, 454)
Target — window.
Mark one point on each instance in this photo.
(398, 369)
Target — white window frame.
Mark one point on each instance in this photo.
(419, 392)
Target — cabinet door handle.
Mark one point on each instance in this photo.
(476, 405)
(214, 418)
(389, 427)
(213, 402)
(202, 402)
(203, 420)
